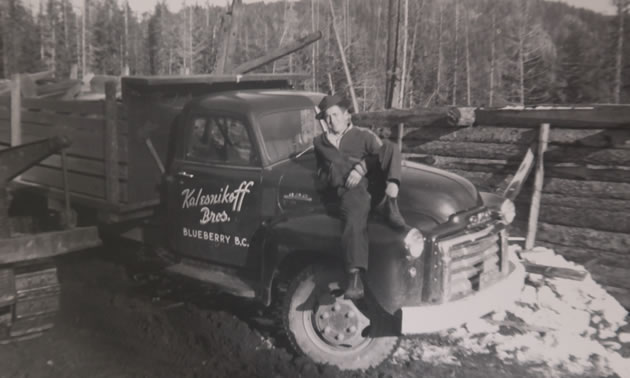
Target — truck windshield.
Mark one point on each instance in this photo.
(288, 132)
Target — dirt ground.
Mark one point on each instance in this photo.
(119, 318)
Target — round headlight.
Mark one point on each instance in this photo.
(414, 243)
(508, 211)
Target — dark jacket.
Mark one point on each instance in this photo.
(334, 165)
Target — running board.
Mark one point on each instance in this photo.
(224, 281)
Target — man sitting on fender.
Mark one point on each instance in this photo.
(342, 155)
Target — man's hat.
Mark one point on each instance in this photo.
(329, 101)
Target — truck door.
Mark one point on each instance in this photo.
(217, 189)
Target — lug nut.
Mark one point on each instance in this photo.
(325, 315)
(351, 329)
(327, 330)
(336, 307)
(350, 314)
(339, 337)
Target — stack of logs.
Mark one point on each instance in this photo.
(585, 202)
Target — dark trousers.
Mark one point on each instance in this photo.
(356, 203)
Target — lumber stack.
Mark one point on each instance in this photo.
(585, 202)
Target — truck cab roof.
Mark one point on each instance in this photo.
(257, 100)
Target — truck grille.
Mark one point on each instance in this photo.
(471, 262)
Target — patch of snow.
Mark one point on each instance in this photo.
(566, 325)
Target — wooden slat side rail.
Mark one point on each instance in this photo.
(86, 142)
(112, 191)
(93, 186)
(80, 107)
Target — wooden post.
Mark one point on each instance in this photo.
(538, 184)
(112, 188)
(16, 110)
(355, 104)
(278, 53)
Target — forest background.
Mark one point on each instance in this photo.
(463, 52)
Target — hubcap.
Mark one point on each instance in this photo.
(339, 323)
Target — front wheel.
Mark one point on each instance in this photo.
(327, 328)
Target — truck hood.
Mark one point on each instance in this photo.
(434, 193)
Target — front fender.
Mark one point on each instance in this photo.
(316, 238)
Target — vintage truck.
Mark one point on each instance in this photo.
(217, 173)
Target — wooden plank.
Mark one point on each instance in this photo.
(584, 237)
(503, 166)
(600, 116)
(86, 142)
(54, 119)
(597, 219)
(211, 79)
(555, 154)
(417, 117)
(538, 186)
(87, 166)
(585, 203)
(515, 184)
(79, 107)
(554, 272)
(47, 244)
(278, 53)
(559, 186)
(79, 183)
(112, 190)
(594, 189)
(598, 138)
(588, 256)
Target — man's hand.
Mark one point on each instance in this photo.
(353, 179)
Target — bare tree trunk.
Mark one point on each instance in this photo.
(41, 22)
(466, 31)
(493, 58)
(83, 38)
(412, 65)
(439, 63)
(456, 58)
(392, 51)
(53, 50)
(403, 77)
(191, 58)
(379, 10)
(313, 47)
(621, 13)
(521, 55)
(349, 23)
(78, 35)
(126, 42)
(353, 96)
(64, 5)
(229, 30)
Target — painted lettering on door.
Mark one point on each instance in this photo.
(192, 198)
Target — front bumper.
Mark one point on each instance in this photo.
(433, 318)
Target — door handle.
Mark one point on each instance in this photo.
(185, 174)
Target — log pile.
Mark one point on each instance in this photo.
(585, 200)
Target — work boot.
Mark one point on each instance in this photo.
(389, 209)
(354, 290)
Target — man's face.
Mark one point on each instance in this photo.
(337, 119)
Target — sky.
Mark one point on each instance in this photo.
(140, 6)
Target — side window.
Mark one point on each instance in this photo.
(220, 139)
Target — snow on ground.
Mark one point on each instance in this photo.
(557, 325)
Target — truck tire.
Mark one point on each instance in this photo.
(329, 329)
